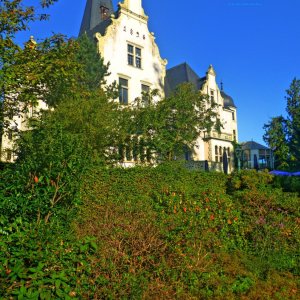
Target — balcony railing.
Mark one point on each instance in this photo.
(220, 136)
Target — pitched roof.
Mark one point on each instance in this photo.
(181, 74)
(251, 145)
(92, 20)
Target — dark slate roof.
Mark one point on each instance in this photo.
(253, 146)
(92, 21)
(181, 74)
(228, 101)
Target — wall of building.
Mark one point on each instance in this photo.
(8, 145)
(131, 27)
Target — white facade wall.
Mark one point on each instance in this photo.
(131, 27)
(21, 124)
(205, 149)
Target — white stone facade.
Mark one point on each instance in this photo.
(17, 123)
(212, 149)
(126, 44)
(130, 30)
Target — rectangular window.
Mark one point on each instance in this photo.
(234, 135)
(233, 116)
(10, 134)
(134, 56)
(212, 95)
(130, 50)
(138, 58)
(123, 91)
(8, 155)
(145, 94)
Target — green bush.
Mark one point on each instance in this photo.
(173, 233)
(158, 233)
(288, 183)
(42, 262)
(46, 179)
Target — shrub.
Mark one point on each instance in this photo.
(42, 262)
(288, 183)
(46, 179)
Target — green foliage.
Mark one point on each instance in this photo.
(275, 137)
(288, 183)
(293, 121)
(172, 125)
(141, 233)
(173, 233)
(16, 17)
(42, 262)
(93, 66)
(283, 135)
(156, 232)
(45, 179)
(249, 179)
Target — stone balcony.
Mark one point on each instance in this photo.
(219, 136)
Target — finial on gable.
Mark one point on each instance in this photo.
(211, 71)
(31, 44)
(134, 5)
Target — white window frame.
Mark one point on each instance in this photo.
(134, 56)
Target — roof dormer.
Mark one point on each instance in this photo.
(96, 11)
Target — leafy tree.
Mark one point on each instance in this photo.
(93, 66)
(171, 126)
(276, 137)
(35, 71)
(88, 111)
(293, 121)
(283, 134)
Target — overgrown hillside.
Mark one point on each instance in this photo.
(159, 233)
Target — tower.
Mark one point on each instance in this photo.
(127, 46)
(96, 11)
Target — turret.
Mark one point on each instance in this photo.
(96, 11)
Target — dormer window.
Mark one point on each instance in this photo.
(104, 12)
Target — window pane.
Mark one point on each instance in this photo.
(123, 91)
(130, 49)
(145, 88)
(138, 62)
(123, 82)
(130, 59)
(145, 95)
(138, 52)
(123, 95)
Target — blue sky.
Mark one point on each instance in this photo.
(254, 46)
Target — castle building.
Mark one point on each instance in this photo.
(125, 42)
(210, 146)
(128, 46)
